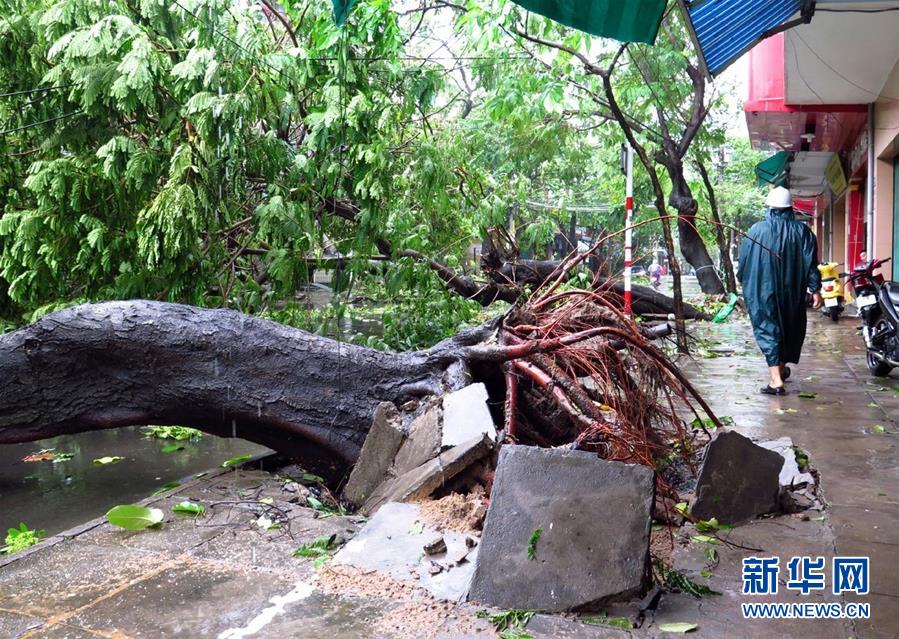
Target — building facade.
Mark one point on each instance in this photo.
(828, 92)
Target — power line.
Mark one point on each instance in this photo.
(30, 91)
(34, 124)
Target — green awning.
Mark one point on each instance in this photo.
(341, 9)
(773, 170)
(624, 20)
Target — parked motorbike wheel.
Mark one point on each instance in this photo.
(877, 367)
(834, 313)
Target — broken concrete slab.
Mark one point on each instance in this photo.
(422, 443)
(391, 543)
(420, 482)
(565, 529)
(466, 415)
(790, 474)
(738, 481)
(378, 451)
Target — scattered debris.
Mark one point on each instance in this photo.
(738, 481)
(791, 476)
(462, 513)
(436, 547)
(594, 518)
(389, 544)
(420, 482)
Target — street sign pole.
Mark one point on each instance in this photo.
(628, 161)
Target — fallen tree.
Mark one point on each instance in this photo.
(508, 277)
(567, 367)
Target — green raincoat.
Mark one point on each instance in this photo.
(778, 263)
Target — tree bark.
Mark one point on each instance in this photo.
(692, 245)
(115, 364)
(723, 246)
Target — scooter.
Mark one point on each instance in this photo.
(878, 304)
(832, 290)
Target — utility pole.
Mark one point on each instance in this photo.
(627, 167)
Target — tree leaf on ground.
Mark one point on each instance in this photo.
(807, 395)
(169, 486)
(615, 622)
(532, 544)
(188, 508)
(680, 627)
(237, 459)
(103, 461)
(171, 448)
(877, 428)
(133, 517)
(62, 457)
(706, 539)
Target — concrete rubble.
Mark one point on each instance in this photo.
(395, 542)
(739, 480)
(790, 475)
(565, 529)
(443, 438)
(380, 446)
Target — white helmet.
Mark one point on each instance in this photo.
(779, 198)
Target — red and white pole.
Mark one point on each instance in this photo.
(628, 222)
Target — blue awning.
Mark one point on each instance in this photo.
(723, 30)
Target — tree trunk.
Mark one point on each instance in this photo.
(692, 245)
(116, 364)
(722, 241)
(507, 284)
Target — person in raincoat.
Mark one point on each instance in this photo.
(778, 264)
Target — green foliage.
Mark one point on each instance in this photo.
(199, 151)
(676, 580)
(532, 544)
(320, 550)
(178, 433)
(20, 538)
(507, 620)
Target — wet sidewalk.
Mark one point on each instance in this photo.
(225, 576)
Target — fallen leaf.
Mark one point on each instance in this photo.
(808, 395)
(680, 627)
(42, 455)
(235, 460)
(189, 508)
(171, 448)
(169, 486)
(878, 428)
(132, 517)
(103, 461)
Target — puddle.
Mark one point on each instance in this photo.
(58, 496)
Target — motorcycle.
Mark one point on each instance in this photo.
(878, 304)
(832, 291)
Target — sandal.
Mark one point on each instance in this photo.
(770, 390)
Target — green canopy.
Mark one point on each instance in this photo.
(773, 170)
(341, 9)
(624, 20)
